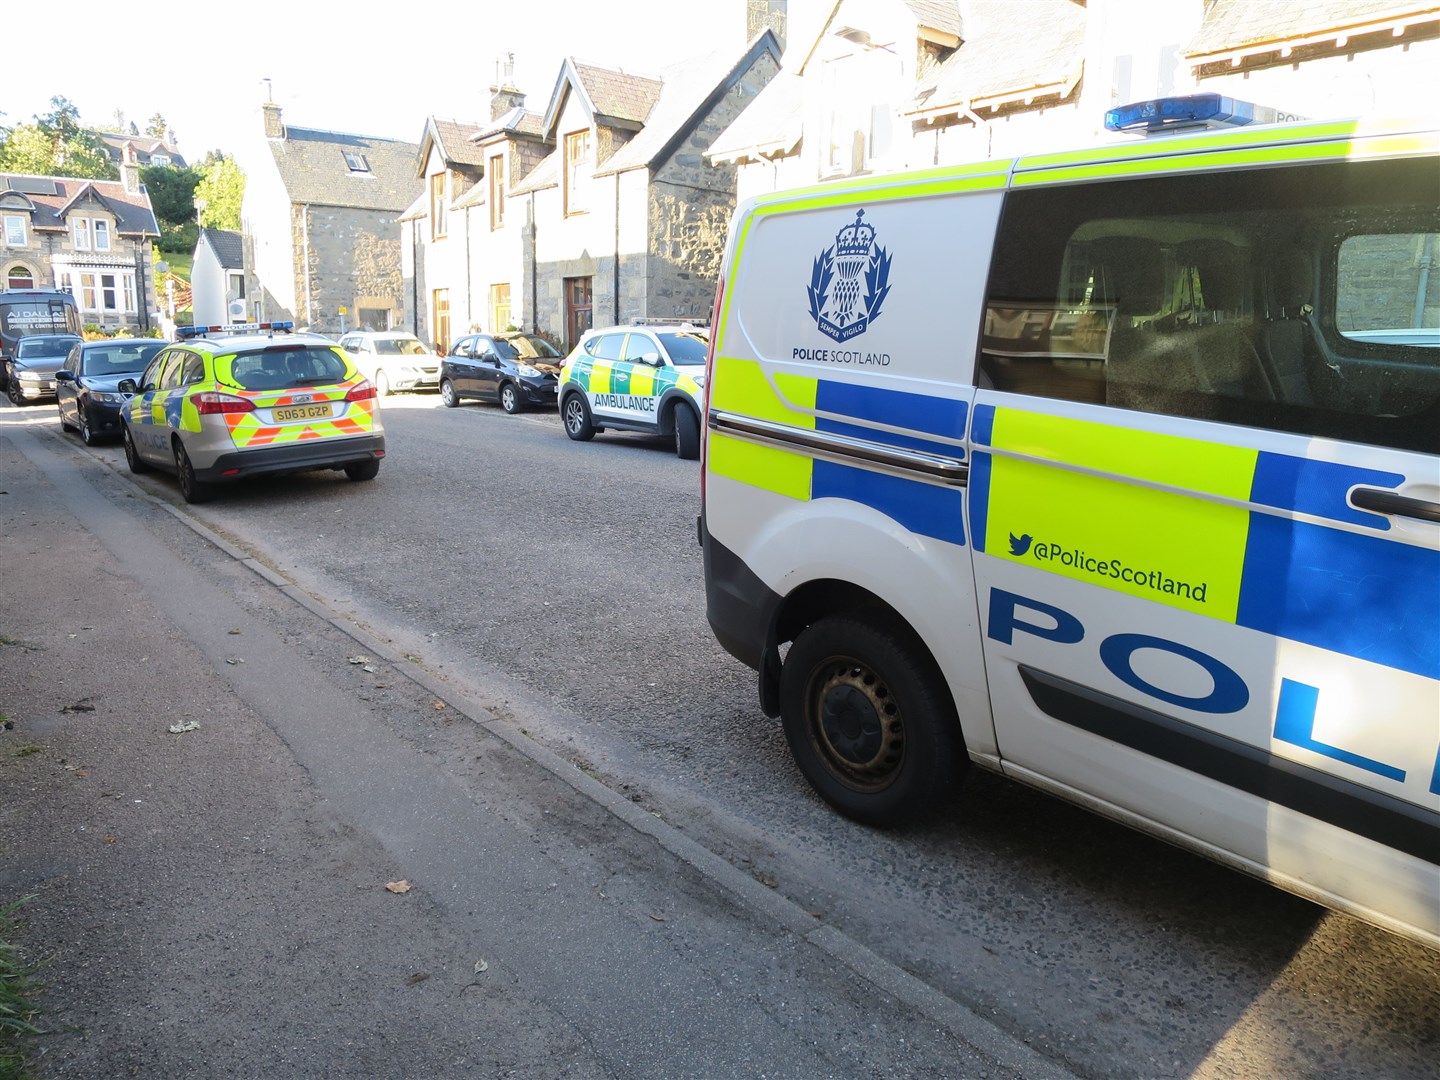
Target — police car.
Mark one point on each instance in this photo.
(640, 378)
(249, 398)
(1116, 471)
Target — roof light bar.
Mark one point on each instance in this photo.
(231, 328)
(1190, 112)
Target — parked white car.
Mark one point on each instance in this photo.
(393, 360)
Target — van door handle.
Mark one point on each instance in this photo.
(1388, 502)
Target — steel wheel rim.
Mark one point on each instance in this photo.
(855, 723)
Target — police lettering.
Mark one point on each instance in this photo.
(841, 356)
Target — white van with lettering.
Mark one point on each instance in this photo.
(1113, 471)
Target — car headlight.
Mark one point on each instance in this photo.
(107, 398)
(530, 372)
(26, 375)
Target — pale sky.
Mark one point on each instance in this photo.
(358, 67)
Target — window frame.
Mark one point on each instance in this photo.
(439, 205)
(80, 233)
(20, 222)
(579, 167)
(496, 172)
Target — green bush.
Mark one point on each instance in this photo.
(17, 1009)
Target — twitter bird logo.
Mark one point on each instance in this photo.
(1019, 545)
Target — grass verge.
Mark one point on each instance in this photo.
(17, 1007)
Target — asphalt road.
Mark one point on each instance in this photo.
(559, 585)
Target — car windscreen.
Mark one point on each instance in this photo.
(399, 347)
(534, 348)
(118, 359)
(685, 348)
(506, 350)
(44, 345)
(286, 366)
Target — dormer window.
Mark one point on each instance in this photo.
(102, 235)
(356, 163)
(578, 168)
(80, 233)
(15, 231)
(159, 159)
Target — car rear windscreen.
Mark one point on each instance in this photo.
(286, 367)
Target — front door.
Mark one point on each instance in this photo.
(579, 304)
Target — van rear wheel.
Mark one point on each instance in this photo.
(869, 719)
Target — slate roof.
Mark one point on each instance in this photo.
(771, 124)
(942, 15)
(51, 196)
(229, 251)
(613, 98)
(1011, 46)
(518, 121)
(312, 167)
(688, 91)
(455, 141)
(143, 145)
(1237, 24)
(544, 175)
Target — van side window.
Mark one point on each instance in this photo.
(1297, 299)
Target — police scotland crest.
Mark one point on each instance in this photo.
(849, 282)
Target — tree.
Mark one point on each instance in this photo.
(172, 196)
(56, 145)
(222, 187)
(157, 128)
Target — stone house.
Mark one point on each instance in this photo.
(320, 227)
(905, 84)
(93, 237)
(606, 210)
(147, 151)
(217, 279)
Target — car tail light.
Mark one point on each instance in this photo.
(210, 402)
(364, 390)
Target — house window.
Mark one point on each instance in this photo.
(373, 318)
(438, 206)
(107, 292)
(235, 290)
(102, 235)
(356, 163)
(159, 159)
(500, 308)
(19, 278)
(579, 304)
(577, 170)
(497, 191)
(15, 230)
(80, 232)
(440, 306)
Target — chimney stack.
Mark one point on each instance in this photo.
(274, 128)
(129, 169)
(504, 95)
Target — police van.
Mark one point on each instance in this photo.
(1116, 471)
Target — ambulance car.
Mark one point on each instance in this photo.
(1116, 471)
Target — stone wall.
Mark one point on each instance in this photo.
(350, 254)
(690, 206)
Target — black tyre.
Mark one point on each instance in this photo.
(576, 414)
(87, 433)
(382, 384)
(363, 470)
(193, 490)
(133, 459)
(448, 397)
(869, 719)
(14, 391)
(510, 399)
(687, 433)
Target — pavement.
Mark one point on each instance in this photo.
(257, 840)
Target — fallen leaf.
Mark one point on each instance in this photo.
(234, 660)
(184, 726)
(412, 658)
(401, 886)
(659, 918)
(481, 965)
(370, 668)
(232, 631)
(418, 977)
(359, 659)
(110, 839)
(83, 705)
(439, 705)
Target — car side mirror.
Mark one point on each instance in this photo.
(651, 358)
(127, 386)
(64, 376)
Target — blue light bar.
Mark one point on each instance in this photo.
(1189, 112)
(231, 328)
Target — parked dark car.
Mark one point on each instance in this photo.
(87, 388)
(514, 369)
(30, 373)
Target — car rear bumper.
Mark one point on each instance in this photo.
(294, 457)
